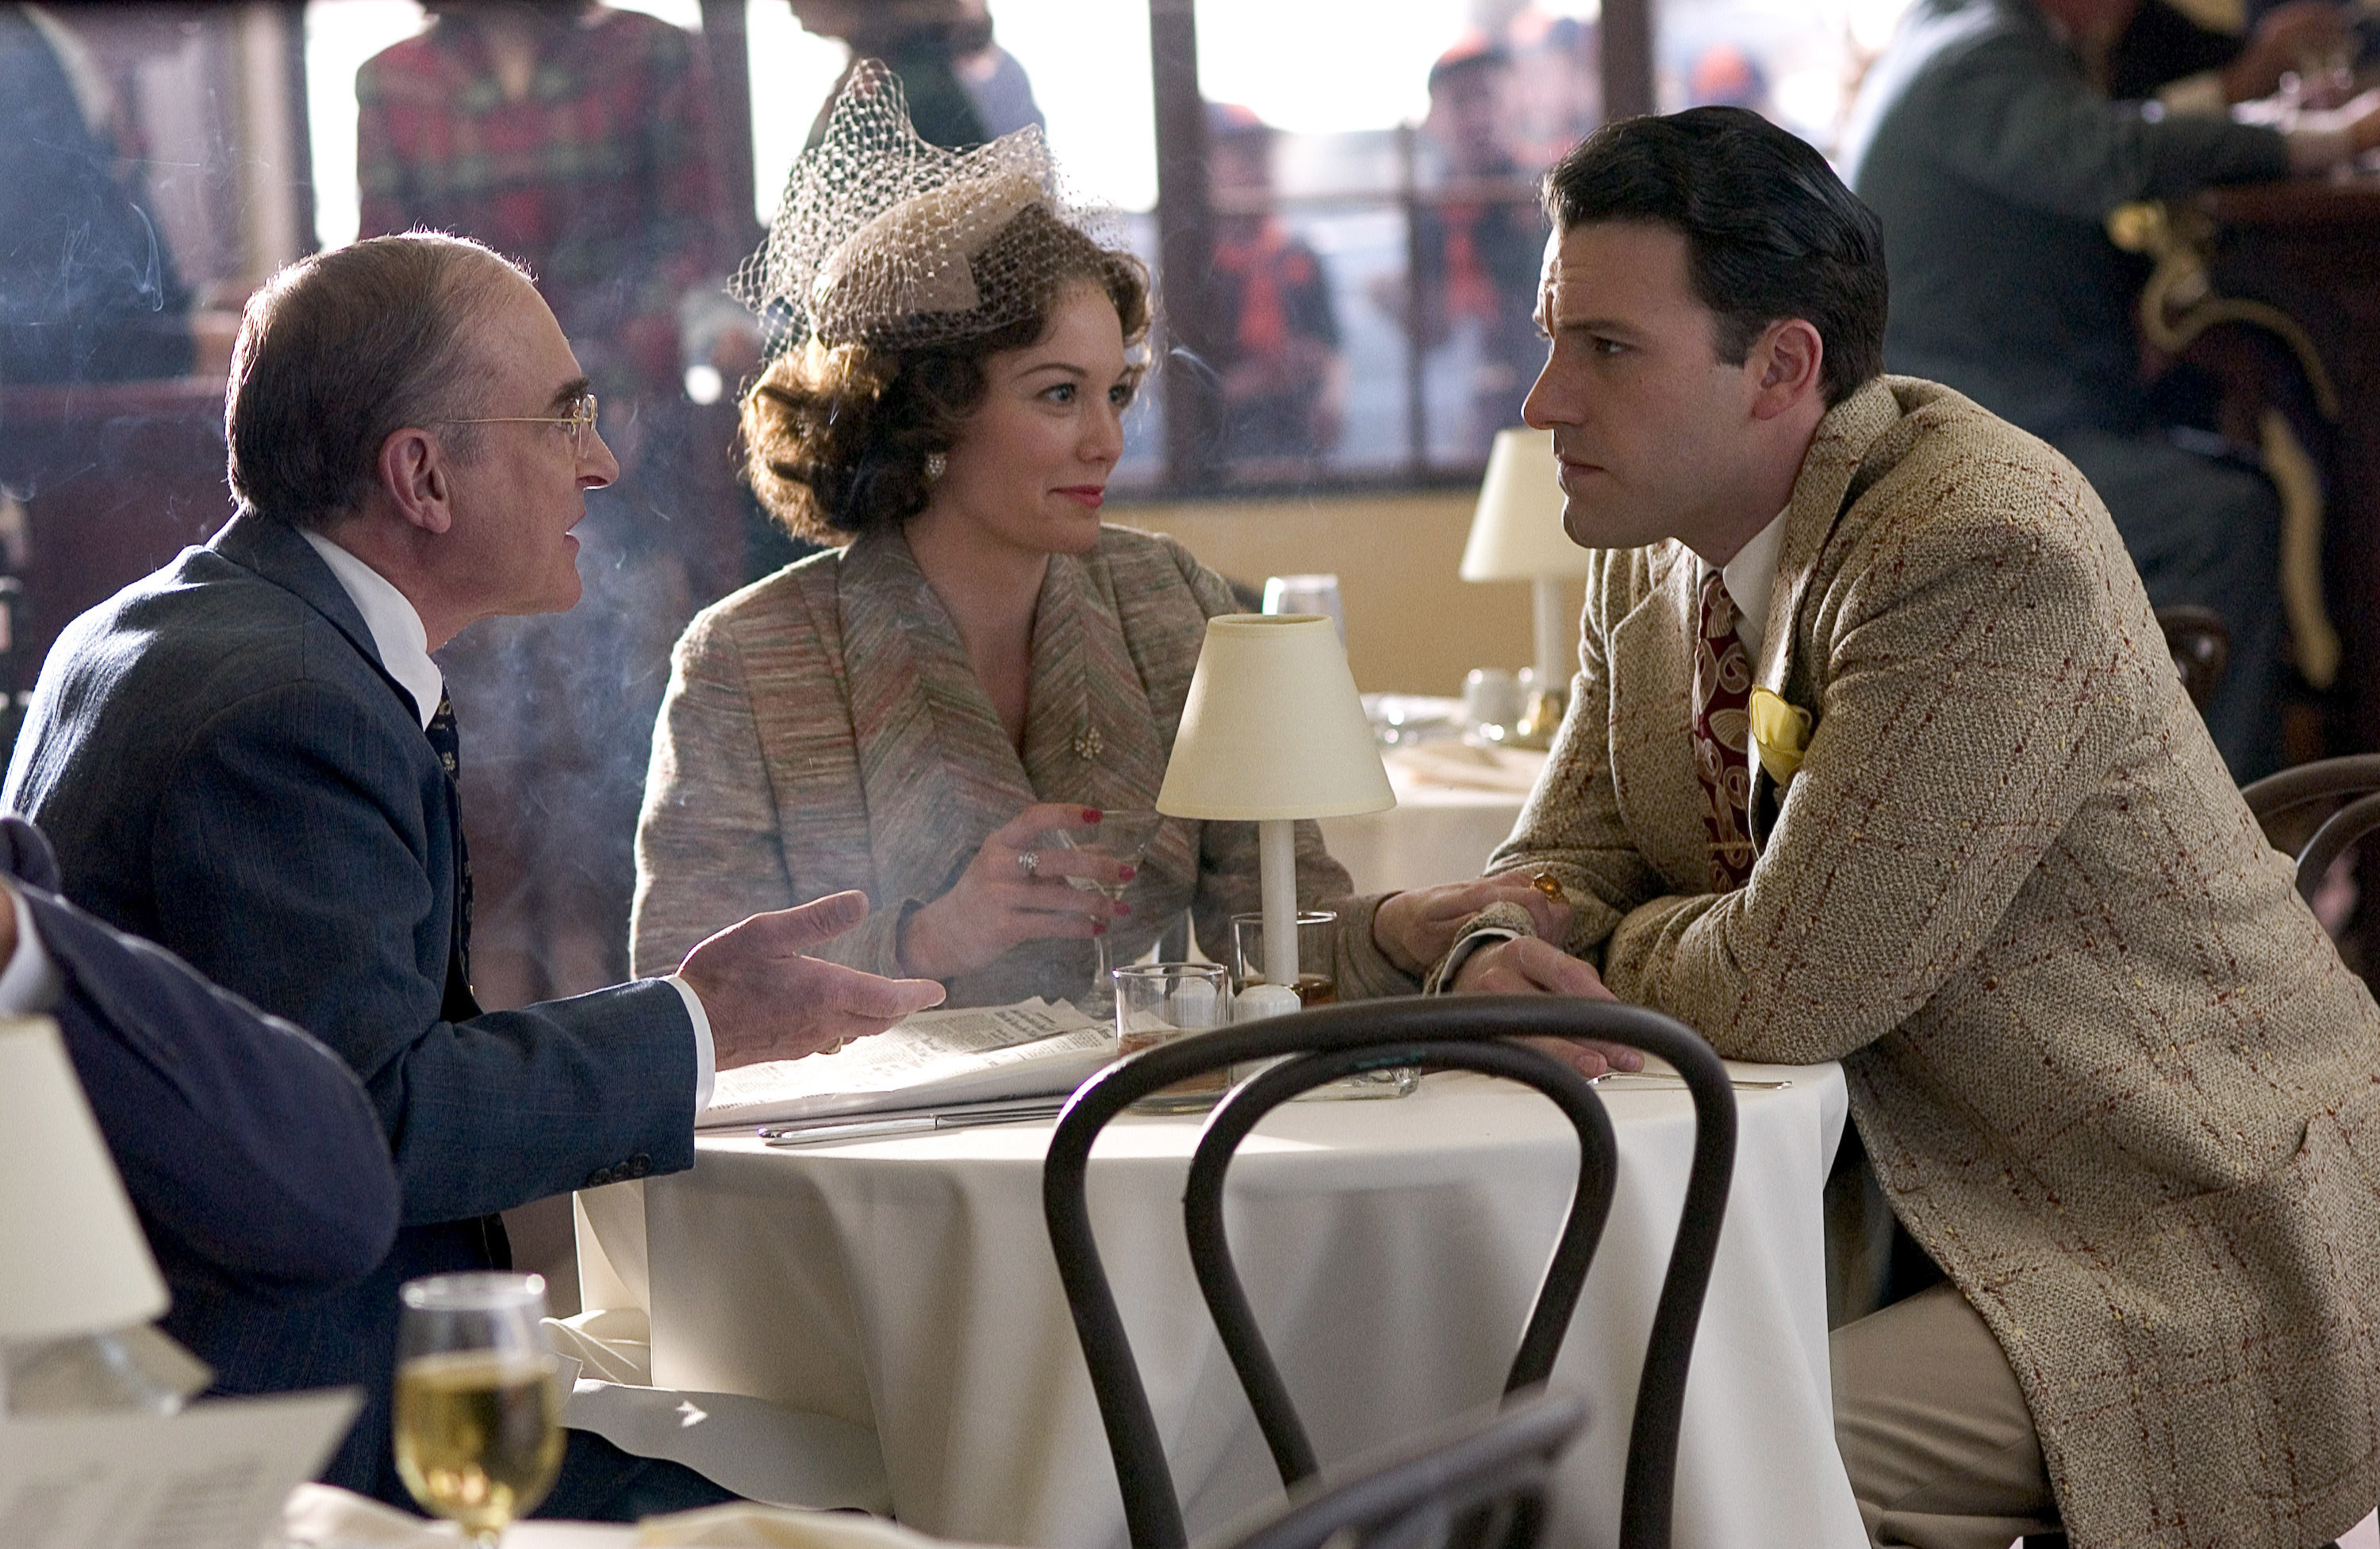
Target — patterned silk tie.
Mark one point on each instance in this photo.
(1723, 735)
(445, 740)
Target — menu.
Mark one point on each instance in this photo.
(1034, 1049)
(212, 1477)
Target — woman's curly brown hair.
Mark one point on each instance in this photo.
(836, 439)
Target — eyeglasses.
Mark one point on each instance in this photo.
(579, 421)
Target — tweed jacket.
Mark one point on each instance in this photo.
(824, 731)
(2110, 1071)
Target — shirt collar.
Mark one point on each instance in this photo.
(1749, 578)
(396, 630)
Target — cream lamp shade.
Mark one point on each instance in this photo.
(72, 1256)
(1517, 532)
(1273, 726)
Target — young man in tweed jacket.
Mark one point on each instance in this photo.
(1876, 754)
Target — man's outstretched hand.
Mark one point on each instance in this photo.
(768, 1000)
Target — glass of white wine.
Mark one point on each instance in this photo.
(478, 1410)
(1123, 837)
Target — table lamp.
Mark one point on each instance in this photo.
(72, 1256)
(1516, 535)
(1273, 731)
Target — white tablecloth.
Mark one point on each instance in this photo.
(1437, 832)
(1391, 1249)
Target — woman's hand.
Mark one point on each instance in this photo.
(1016, 891)
(1415, 928)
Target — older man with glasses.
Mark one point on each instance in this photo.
(251, 757)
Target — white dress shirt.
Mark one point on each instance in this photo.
(404, 647)
(1749, 578)
(31, 982)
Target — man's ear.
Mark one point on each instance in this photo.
(1790, 360)
(413, 476)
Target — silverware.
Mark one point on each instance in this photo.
(1656, 1079)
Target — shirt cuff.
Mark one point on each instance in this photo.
(31, 981)
(2202, 92)
(706, 1057)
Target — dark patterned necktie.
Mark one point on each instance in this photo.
(445, 740)
(1723, 735)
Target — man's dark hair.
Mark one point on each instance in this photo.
(339, 351)
(1771, 232)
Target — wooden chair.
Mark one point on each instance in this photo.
(1465, 1033)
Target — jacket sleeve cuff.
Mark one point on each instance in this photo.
(1498, 922)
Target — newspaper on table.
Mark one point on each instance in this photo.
(1034, 1049)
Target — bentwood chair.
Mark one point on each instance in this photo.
(1469, 1032)
(2353, 782)
(1484, 1483)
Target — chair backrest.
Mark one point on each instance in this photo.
(1466, 1031)
(1484, 1483)
(2353, 780)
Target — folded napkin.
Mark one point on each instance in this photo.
(1463, 767)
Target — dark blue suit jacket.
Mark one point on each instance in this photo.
(249, 1150)
(225, 767)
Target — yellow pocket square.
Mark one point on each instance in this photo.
(1780, 732)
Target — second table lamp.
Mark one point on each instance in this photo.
(1516, 535)
(1273, 731)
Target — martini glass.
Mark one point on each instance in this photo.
(1123, 837)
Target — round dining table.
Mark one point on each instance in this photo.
(1391, 1250)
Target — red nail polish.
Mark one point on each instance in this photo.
(1123, 909)
(1127, 874)
(1092, 814)
(1099, 930)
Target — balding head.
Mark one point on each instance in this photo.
(340, 350)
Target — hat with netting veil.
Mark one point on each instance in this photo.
(876, 239)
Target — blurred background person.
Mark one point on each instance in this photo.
(576, 139)
(1283, 382)
(1725, 75)
(997, 82)
(88, 288)
(1556, 98)
(926, 44)
(1986, 143)
(1479, 240)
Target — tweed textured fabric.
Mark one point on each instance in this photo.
(2111, 1072)
(1723, 733)
(824, 731)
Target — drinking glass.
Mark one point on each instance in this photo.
(1317, 984)
(479, 1409)
(1317, 978)
(1157, 1002)
(1122, 836)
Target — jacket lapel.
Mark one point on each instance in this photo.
(934, 760)
(1825, 486)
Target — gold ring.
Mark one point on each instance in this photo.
(1544, 882)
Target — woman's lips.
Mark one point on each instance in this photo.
(1090, 495)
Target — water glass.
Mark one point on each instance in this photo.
(479, 1405)
(1317, 984)
(1306, 594)
(1157, 1002)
